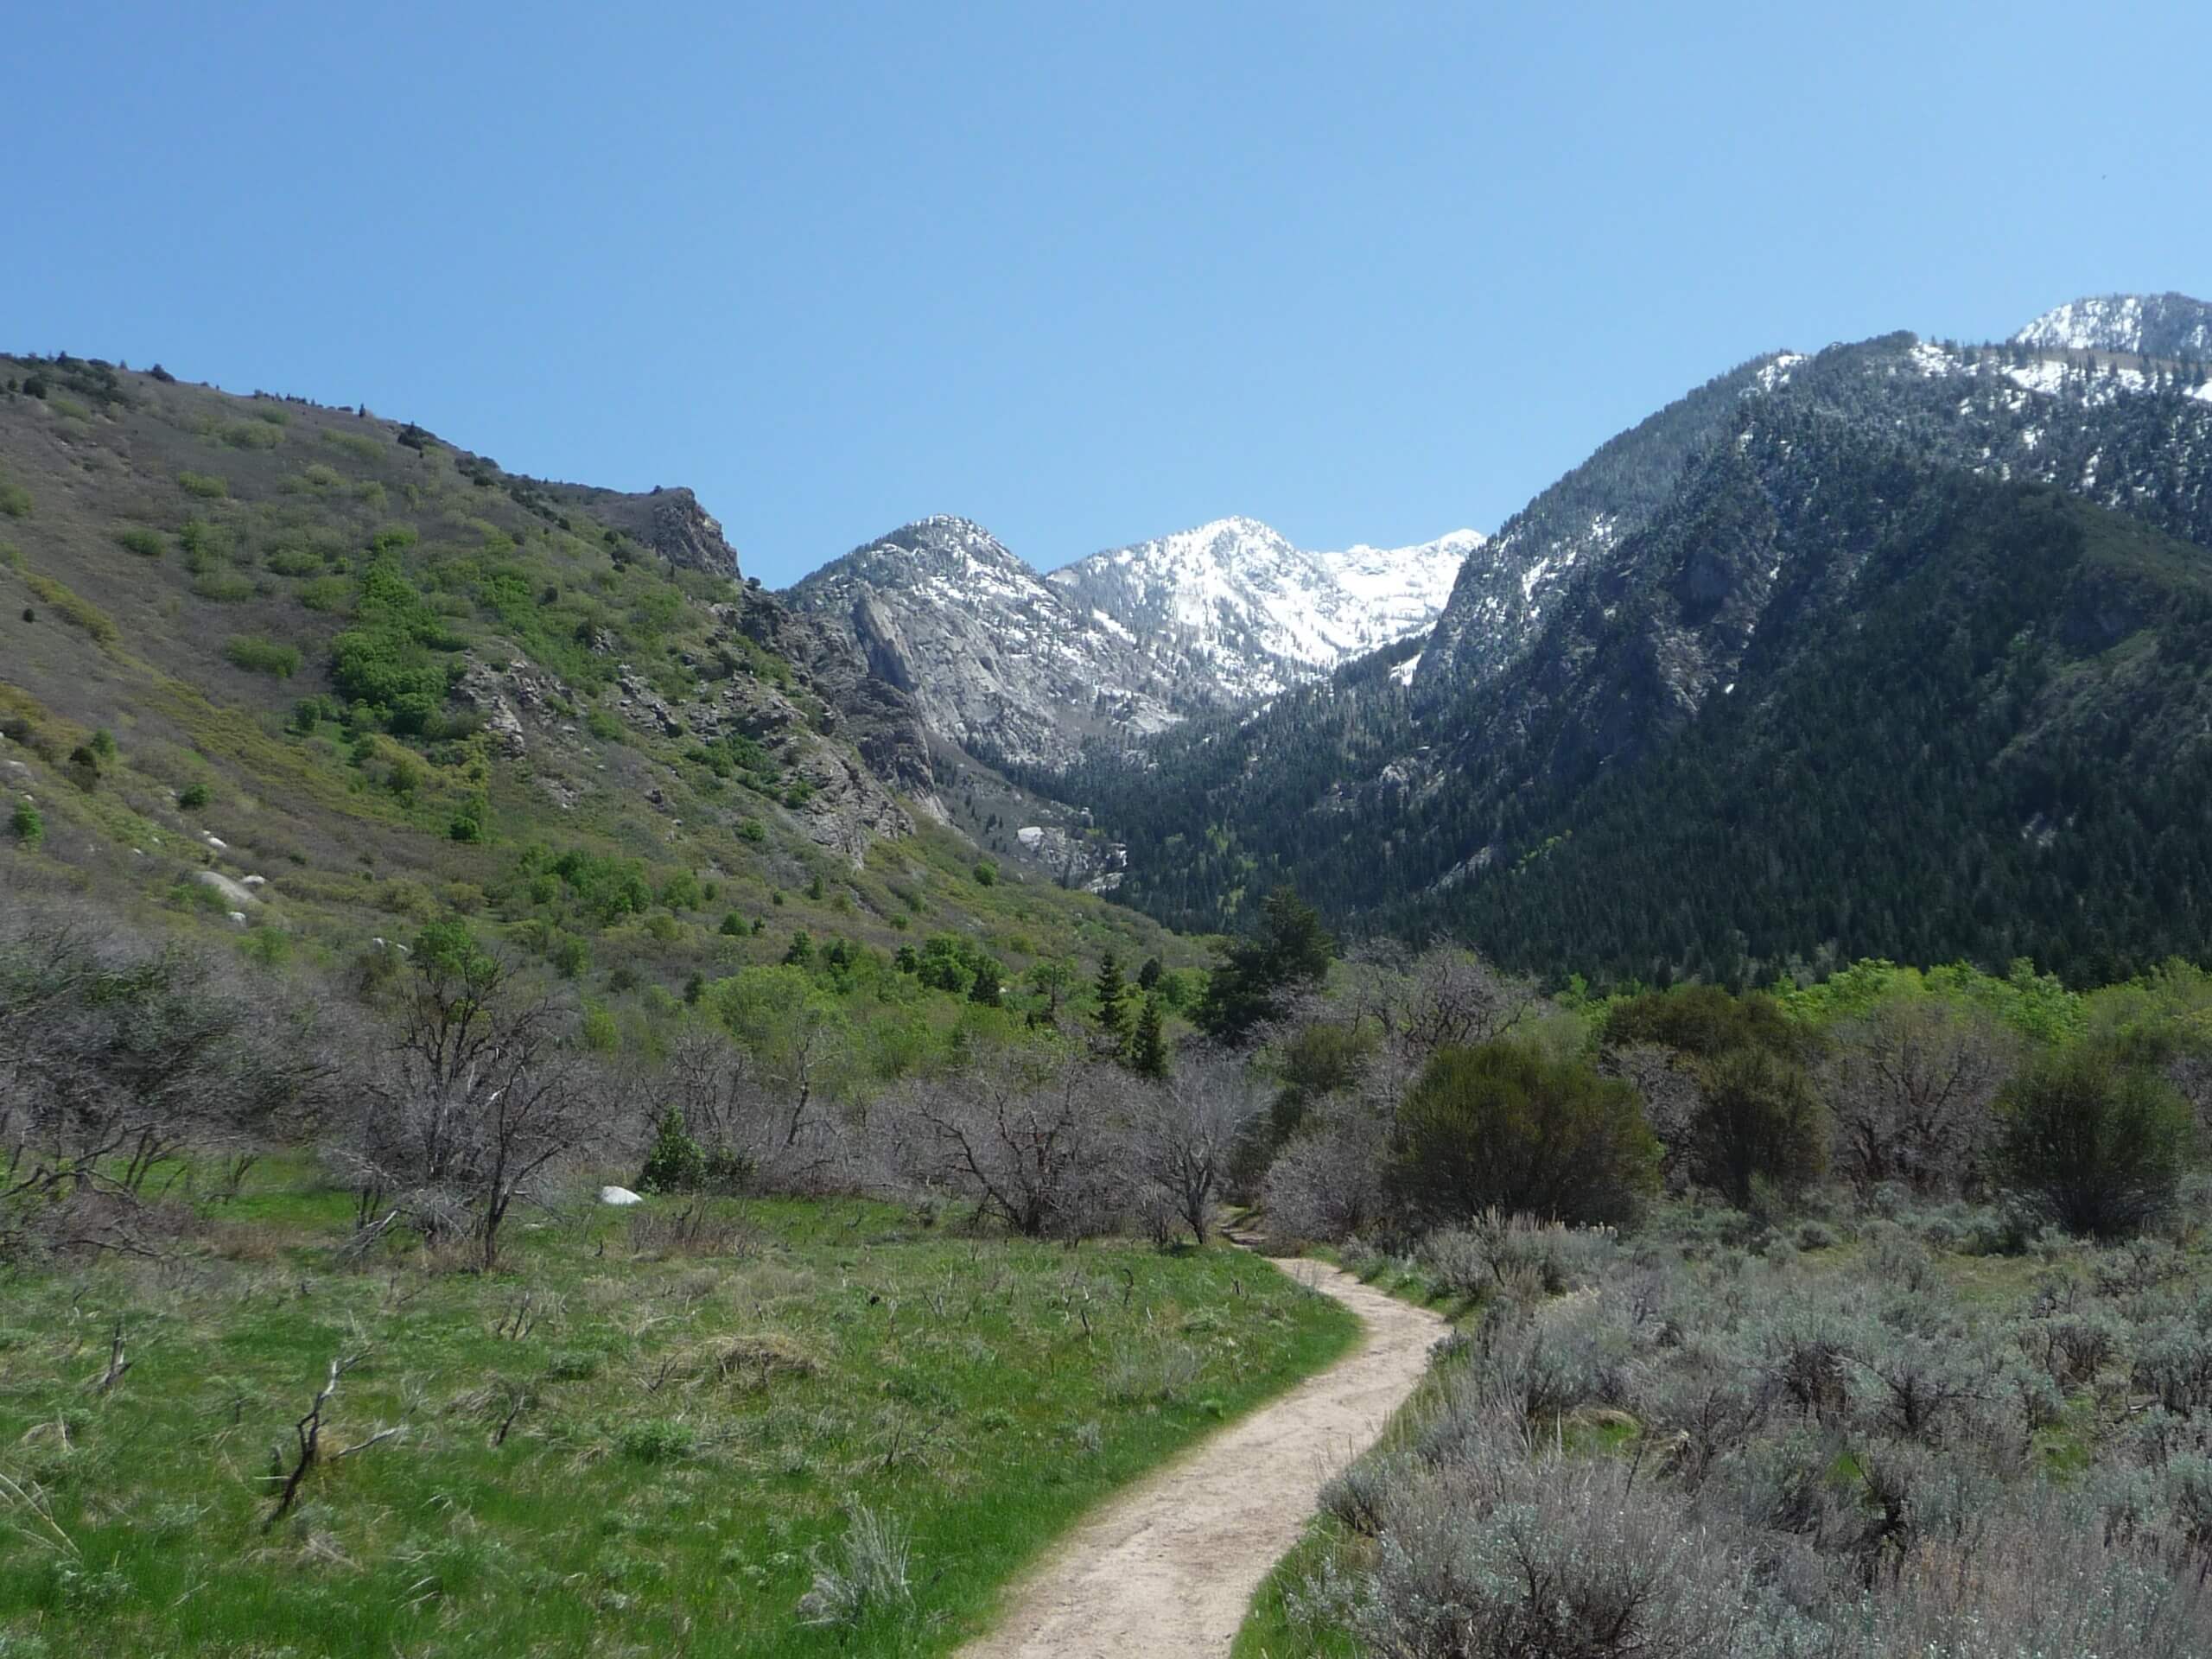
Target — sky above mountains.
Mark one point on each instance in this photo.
(1366, 273)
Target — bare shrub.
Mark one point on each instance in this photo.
(480, 1102)
(1911, 1090)
(1444, 997)
(118, 1052)
(701, 1228)
(1183, 1132)
(1034, 1141)
(1327, 1183)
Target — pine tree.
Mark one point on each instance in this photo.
(1148, 1053)
(1110, 989)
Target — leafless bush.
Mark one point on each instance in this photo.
(1668, 1086)
(1327, 1183)
(1038, 1143)
(701, 1228)
(479, 1101)
(1443, 997)
(771, 1126)
(1183, 1130)
(1909, 1090)
(118, 1052)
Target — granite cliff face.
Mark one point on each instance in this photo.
(667, 521)
(999, 661)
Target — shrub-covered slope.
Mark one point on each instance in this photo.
(261, 637)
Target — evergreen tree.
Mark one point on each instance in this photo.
(1113, 1015)
(676, 1164)
(1249, 985)
(1149, 1052)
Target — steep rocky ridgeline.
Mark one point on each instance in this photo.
(1751, 537)
(1020, 670)
(1231, 612)
(2149, 325)
(1001, 663)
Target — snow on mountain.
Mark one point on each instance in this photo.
(2013, 411)
(999, 663)
(1232, 610)
(1015, 666)
(2152, 325)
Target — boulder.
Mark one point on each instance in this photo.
(618, 1196)
(239, 897)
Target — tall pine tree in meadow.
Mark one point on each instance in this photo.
(1112, 1013)
(1148, 1053)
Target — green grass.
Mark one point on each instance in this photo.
(78, 612)
(260, 655)
(648, 1496)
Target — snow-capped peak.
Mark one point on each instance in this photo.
(2153, 325)
(1234, 600)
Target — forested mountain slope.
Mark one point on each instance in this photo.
(1857, 682)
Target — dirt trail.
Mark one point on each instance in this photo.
(1167, 1569)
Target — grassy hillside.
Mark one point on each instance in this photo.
(257, 637)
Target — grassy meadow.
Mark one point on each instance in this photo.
(653, 1431)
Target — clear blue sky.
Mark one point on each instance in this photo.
(1087, 274)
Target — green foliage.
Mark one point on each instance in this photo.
(26, 825)
(1506, 1127)
(146, 544)
(207, 486)
(987, 873)
(15, 501)
(1759, 1124)
(328, 595)
(260, 655)
(384, 660)
(1705, 1021)
(676, 1162)
(2095, 1139)
(1109, 992)
(472, 821)
(223, 586)
(1149, 1053)
(193, 797)
(78, 612)
(1290, 951)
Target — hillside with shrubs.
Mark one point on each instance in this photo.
(524, 1130)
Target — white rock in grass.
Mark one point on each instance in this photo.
(617, 1195)
(235, 892)
(254, 881)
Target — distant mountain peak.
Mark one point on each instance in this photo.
(2150, 324)
(1013, 665)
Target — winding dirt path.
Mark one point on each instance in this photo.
(1167, 1569)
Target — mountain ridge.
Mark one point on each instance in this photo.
(1021, 668)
